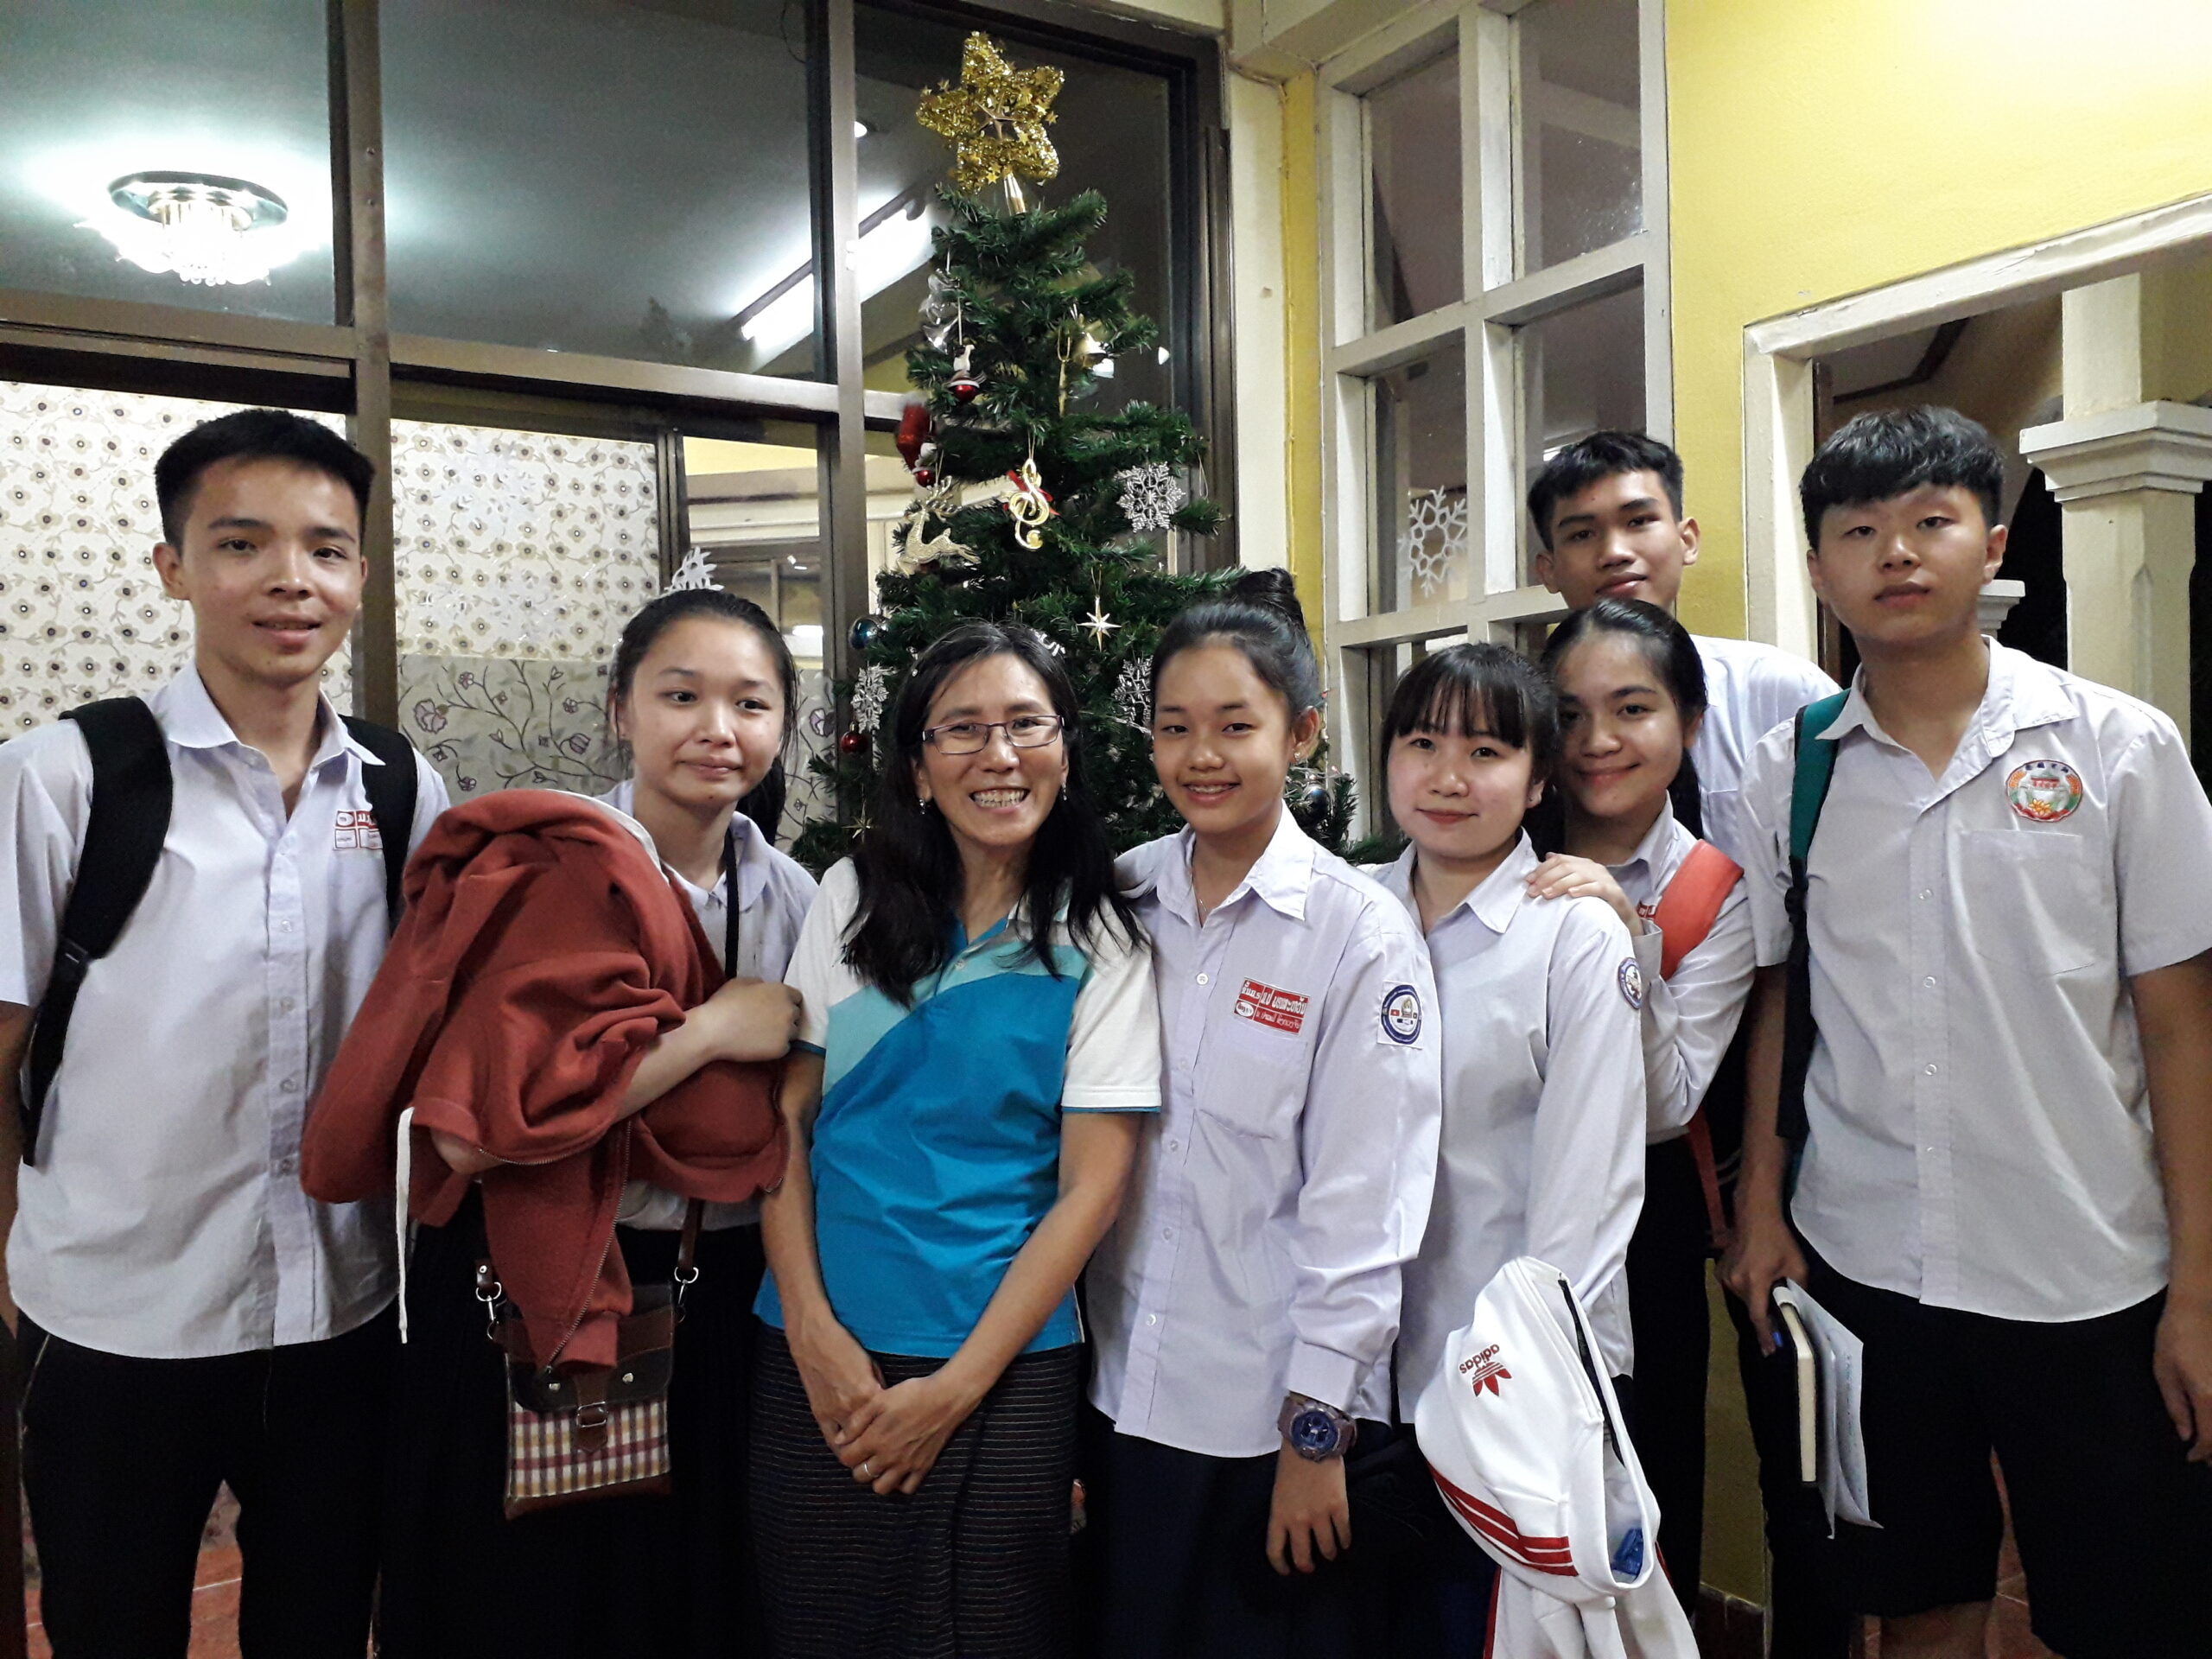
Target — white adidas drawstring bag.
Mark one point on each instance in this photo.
(1525, 1437)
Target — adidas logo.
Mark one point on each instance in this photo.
(1485, 1371)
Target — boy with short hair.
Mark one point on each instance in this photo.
(1609, 511)
(2005, 1185)
(188, 1316)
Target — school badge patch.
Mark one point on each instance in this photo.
(1631, 983)
(1401, 1016)
(2043, 791)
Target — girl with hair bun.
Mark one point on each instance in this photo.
(1244, 1304)
(703, 694)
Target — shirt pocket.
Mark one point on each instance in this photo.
(1254, 1079)
(2038, 900)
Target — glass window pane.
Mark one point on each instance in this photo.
(755, 507)
(1413, 227)
(622, 177)
(1581, 371)
(1113, 134)
(96, 93)
(1421, 481)
(82, 613)
(1580, 138)
(518, 557)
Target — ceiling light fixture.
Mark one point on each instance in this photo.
(203, 228)
(894, 240)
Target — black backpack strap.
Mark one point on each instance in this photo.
(124, 833)
(1813, 771)
(391, 788)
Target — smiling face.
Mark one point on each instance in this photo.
(1224, 740)
(271, 563)
(1905, 574)
(1618, 539)
(1622, 735)
(1460, 796)
(703, 713)
(996, 800)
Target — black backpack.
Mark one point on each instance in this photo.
(129, 819)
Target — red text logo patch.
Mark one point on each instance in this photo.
(1266, 1006)
(357, 833)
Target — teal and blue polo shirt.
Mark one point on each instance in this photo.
(935, 1151)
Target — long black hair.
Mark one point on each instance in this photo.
(1667, 645)
(764, 802)
(1259, 613)
(909, 866)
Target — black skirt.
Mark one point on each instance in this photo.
(973, 1565)
(664, 1577)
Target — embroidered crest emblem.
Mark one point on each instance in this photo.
(1264, 1005)
(1631, 983)
(1485, 1371)
(1401, 1014)
(2043, 791)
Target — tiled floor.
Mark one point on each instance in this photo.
(2009, 1635)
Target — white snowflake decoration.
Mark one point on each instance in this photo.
(869, 696)
(694, 572)
(1133, 695)
(1435, 537)
(1150, 495)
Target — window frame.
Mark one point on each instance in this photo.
(356, 367)
(1362, 645)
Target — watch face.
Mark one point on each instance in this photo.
(1313, 1433)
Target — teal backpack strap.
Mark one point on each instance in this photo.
(1808, 793)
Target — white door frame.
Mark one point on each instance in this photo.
(1778, 355)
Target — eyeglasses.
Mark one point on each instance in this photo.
(974, 736)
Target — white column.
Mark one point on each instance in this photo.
(2127, 478)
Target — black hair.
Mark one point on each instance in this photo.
(1259, 613)
(909, 864)
(1886, 452)
(764, 802)
(254, 434)
(1667, 647)
(1591, 460)
(1479, 688)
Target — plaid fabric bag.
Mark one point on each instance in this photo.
(574, 1435)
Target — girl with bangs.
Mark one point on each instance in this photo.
(1539, 1004)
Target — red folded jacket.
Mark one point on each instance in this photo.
(542, 952)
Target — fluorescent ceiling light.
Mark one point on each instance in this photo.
(895, 240)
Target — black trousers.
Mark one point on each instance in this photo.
(122, 1458)
(1807, 1618)
(665, 1577)
(1672, 1323)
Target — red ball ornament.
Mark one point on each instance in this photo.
(925, 476)
(965, 387)
(852, 742)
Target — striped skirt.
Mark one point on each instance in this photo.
(974, 1565)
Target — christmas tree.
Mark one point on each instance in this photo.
(1027, 506)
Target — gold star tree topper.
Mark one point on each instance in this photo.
(995, 120)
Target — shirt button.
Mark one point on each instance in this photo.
(283, 927)
(1174, 1146)
(291, 1085)
(1204, 980)
(285, 1165)
(1929, 981)
(284, 1005)
(1152, 1319)
(1167, 1232)
(1927, 892)
(1931, 1071)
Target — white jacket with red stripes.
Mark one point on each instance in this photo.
(1524, 1436)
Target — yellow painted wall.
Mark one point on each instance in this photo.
(1301, 264)
(1819, 147)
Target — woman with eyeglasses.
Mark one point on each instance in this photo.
(979, 1042)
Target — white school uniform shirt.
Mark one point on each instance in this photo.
(1750, 689)
(1540, 1002)
(775, 892)
(1258, 1252)
(164, 1218)
(1688, 1021)
(1980, 1130)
